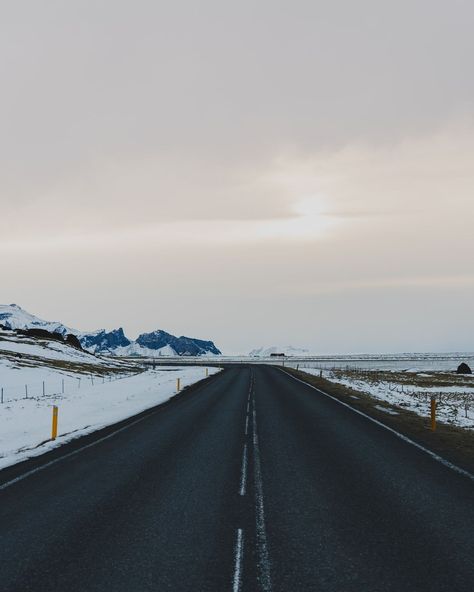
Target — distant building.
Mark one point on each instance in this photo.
(277, 355)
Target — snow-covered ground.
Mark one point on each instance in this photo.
(90, 391)
(30, 366)
(25, 424)
(49, 350)
(428, 361)
(413, 390)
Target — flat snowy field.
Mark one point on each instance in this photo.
(413, 390)
(25, 424)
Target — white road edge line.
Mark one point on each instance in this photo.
(406, 439)
(243, 475)
(239, 554)
(247, 425)
(263, 565)
(74, 452)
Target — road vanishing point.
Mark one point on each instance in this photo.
(249, 481)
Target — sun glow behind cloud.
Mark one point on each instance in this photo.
(309, 222)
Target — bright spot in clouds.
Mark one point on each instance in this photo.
(309, 222)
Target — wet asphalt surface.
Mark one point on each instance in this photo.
(249, 481)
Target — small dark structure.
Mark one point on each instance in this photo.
(463, 369)
(277, 355)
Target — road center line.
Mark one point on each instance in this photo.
(238, 554)
(263, 566)
(243, 475)
(247, 425)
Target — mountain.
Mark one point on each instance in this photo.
(104, 341)
(183, 346)
(134, 349)
(156, 343)
(13, 316)
(288, 350)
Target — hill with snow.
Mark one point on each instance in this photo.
(288, 350)
(90, 391)
(13, 316)
(115, 342)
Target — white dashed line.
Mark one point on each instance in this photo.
(263, 566)
(243, 475)
(239, 555)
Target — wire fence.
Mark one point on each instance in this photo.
(53, 387)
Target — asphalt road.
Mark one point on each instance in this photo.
(251, 482)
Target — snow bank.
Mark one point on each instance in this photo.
(25, 424)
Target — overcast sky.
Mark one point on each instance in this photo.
(252, 172)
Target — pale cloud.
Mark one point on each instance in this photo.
(427, 179)
(289, 170)
(315, 287)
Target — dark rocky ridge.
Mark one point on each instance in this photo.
(110, 341)
(104, 341)
(183, 346)
(69, 338)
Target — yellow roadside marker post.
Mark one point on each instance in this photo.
(178, 385)
(207, 372)
(54, 429)
(433, 414)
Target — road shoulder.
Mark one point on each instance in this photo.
(75, 445)
(452, 443)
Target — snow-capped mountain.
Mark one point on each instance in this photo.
(13, 316)
(288, 350)
(104, 341)
(183, 346)
(134, 349)
(156, 343)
